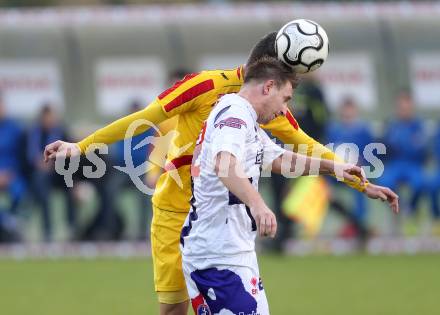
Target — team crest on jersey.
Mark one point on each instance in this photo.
(203, 309)
(231, 122)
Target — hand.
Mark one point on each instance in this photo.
(60, 148)
(349, 172)
(384, 194)
(265, 220)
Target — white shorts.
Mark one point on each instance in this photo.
(225, 286)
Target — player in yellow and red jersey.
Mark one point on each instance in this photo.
(191, 100)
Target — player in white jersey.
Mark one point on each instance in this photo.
(218, 237)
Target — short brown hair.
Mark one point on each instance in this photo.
(269, 68)
(264, 47)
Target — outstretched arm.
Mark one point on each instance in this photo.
(287, 130)
(383, 193)
(111, 133)
(347, 172)
(117, 130)
(180, 98)
(300, 165)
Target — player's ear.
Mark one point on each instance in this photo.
(267, 86)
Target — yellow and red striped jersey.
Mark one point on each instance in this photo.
(191, 100)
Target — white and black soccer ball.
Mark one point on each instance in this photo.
(302, 44)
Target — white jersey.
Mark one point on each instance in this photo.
(219, 224)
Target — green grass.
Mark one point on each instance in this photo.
(294, 285)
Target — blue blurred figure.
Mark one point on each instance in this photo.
(11, 177)
(350, 130)
(44, 179)
(120, 181)
(406, 143)
(433, 183)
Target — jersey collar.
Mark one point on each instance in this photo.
(249, 107)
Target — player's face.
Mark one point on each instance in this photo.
(277, 102)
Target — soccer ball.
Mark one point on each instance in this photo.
(302, 44)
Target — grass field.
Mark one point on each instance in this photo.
(352, 285)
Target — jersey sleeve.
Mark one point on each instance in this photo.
(287, 130)
(160, 148)
(117, 130)
(271, 150)
(229, 134)
(186, 95)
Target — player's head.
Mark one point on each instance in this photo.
(273, 84)
(265, 47)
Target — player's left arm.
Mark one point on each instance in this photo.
(300, 164)
(287, 130)
(348, 172)
(282, 160)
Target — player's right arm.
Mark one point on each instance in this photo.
(111, 133)
(183, 96)
(117, 130)
(232, 175)
(228, 149)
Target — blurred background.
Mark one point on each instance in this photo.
(69, 67)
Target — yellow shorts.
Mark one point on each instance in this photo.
(165, 247)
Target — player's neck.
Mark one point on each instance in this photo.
(250, 93)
